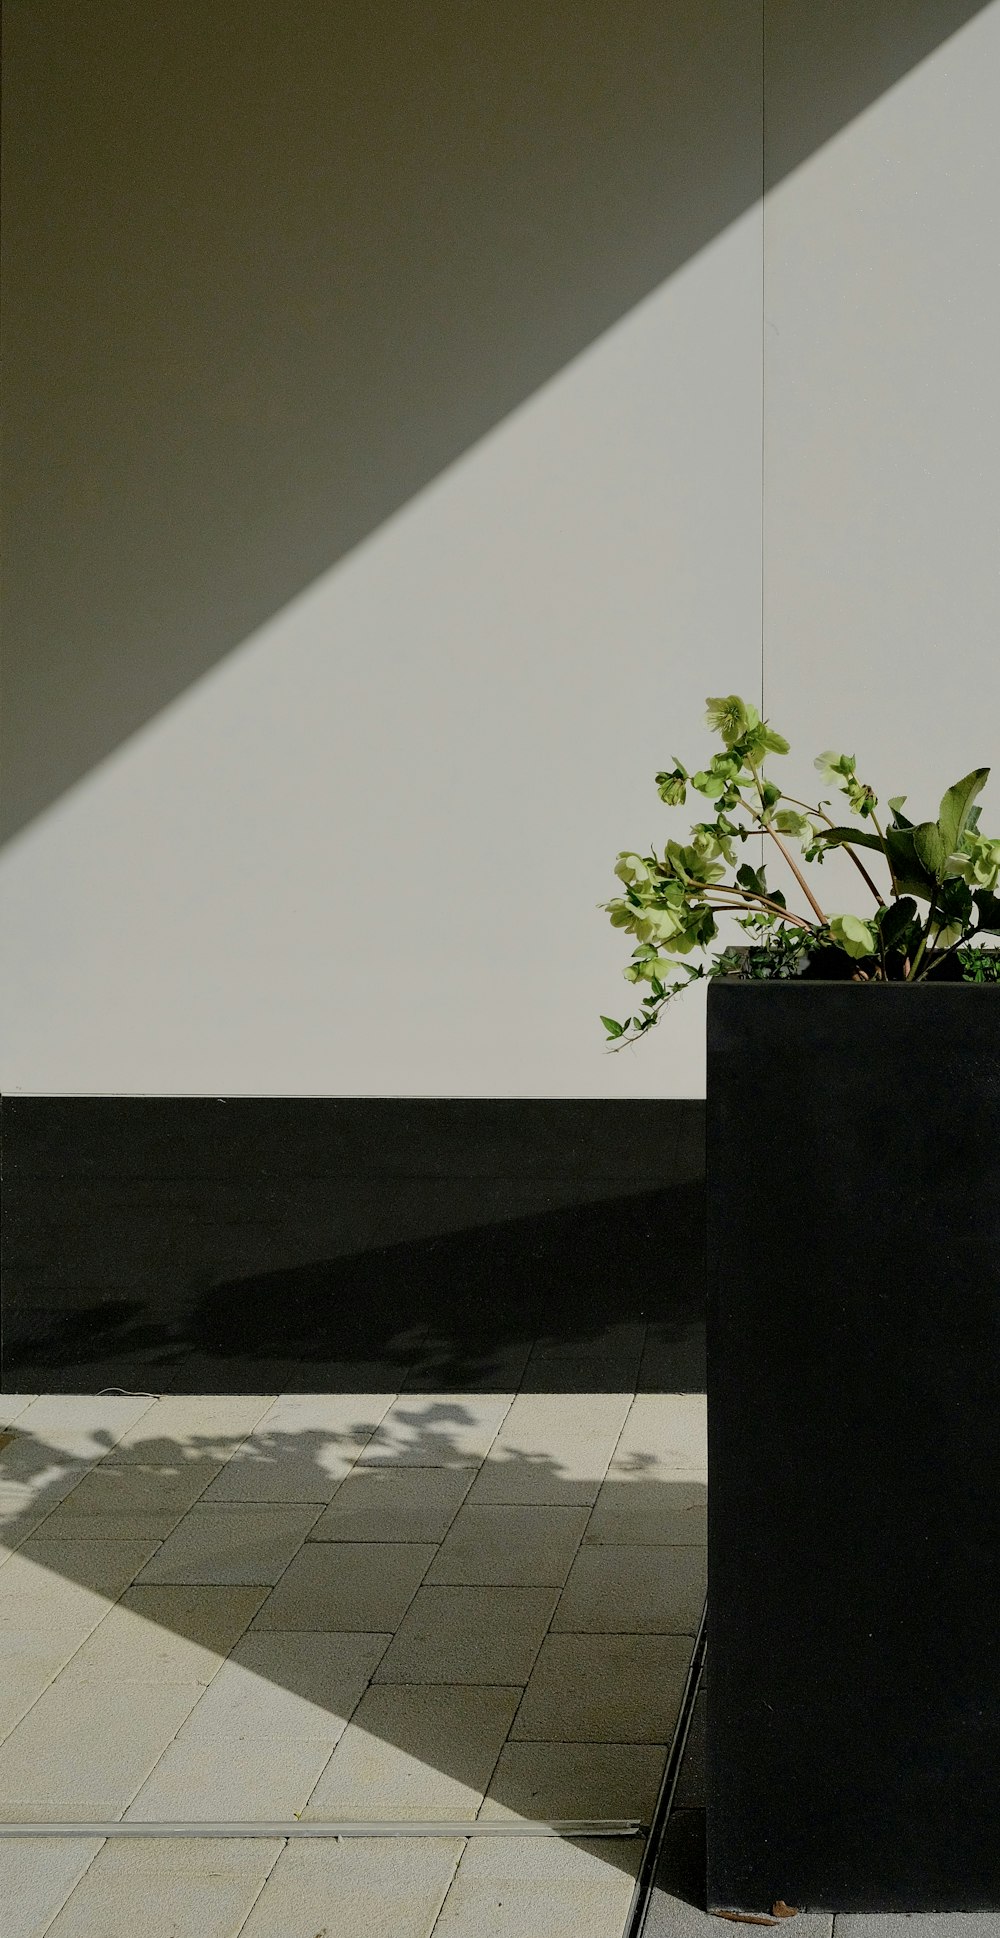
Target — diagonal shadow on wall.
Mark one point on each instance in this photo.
(269, 271)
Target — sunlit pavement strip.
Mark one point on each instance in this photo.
(308, 1608)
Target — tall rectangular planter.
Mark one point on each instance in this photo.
(853, 1701)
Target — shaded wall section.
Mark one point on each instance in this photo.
(383, 392)
(339, 1244)
(446, 320)
(271, 268)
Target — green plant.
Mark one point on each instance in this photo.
(670, 901)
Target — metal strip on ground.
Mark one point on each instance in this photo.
(642, 1895)
(392, 1827)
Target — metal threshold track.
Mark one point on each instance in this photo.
(392, 1827)
(642, 1895)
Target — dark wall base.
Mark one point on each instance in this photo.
(255, 1244)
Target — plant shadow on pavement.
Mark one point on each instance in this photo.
(637, 1503)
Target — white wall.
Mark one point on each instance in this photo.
(475, 325)
(355, 846)
(362, 855)
(882, 434)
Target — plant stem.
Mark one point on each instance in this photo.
(776, 838)
(848, 850)
(945, 953)
(922, 944)
(760, 901)
(885, 851)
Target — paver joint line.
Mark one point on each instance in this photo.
(479, 1495)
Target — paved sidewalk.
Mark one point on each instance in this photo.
(340, 1606)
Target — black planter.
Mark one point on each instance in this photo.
(854, 1446)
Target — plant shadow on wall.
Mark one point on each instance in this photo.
(400, 223)
(513, 1627)
(605, 1296)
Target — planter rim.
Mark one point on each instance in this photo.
(840, 982)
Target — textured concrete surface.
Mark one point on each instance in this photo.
(356, 1606)
(536, 1885)
(202, 1889)
(514, 1547)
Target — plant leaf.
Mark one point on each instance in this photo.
(752, 879)
(896, 920)
(988, 905)
(854, 936)
(613, 1028)
(855, 837)
(910, 874)
(955, 807)
(931, 848)
(953, 902)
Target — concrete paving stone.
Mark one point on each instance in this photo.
(666, 1435)
(230, 1543)
(520, 1888)
(164, 1635)
(459, 1635)
(150, 1528)
(519, 1546)
(394, 1504)
(206, 1426)
(417, 1752)
(12, 1404)
(348, 1585)
(28, 1664)
(258, 1473)
(562, 1780)
(79, 1426)
(634, 1591)
(37, 1878)
(235, 1779)
(288, 1687)
(302, 1447)
(66, 1584)
(915, 1924)
(366, 1887)
(349, 1419)
(30, 1476)
(26, 1504)
(635, 1511)
(552, 1448)
(604, 1689)
(84, 1749)
(677, 1904)
(151, 1499)
(438, 1430)
(151, 1888)
(25, 1461)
